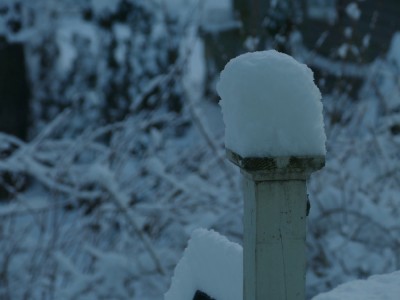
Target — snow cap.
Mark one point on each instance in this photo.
(271, 106)
(210, 264)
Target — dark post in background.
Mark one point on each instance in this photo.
(14, 91)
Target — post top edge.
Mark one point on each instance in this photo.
(280, 164)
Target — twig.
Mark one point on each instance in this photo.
(107, 180)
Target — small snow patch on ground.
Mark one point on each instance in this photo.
(376, 287)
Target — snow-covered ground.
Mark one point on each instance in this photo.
(378, 287)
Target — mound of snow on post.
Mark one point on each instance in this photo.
(211, 264)
(271, 106)
(376, 287)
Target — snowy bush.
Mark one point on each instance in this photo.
(104, 61)
(353, 228)
(106, 220)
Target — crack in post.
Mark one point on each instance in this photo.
(284, 264)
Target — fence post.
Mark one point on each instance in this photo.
(275, 204)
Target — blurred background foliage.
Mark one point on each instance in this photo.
(111, 140)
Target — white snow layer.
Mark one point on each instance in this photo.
(271, 106)
(211, 264)
(376, 287)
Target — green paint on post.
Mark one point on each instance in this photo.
(275, 205)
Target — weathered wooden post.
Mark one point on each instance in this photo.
(275, 200)
(277, 139)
